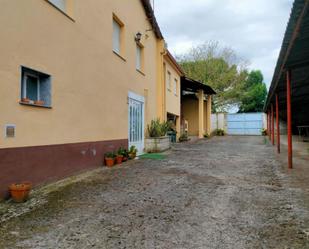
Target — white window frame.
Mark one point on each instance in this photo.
(175, 87)
(26, 74)
(139, 59)
(169, 79)
(118, 23)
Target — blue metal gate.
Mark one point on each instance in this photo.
(245, 124)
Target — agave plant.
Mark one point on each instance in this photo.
(157, 128)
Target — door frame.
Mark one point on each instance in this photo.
(141, 99)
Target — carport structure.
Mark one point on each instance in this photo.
(196, 101)
(288, 98)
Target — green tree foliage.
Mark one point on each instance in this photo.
(254, 93)
(219, 68)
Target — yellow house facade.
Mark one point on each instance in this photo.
(78, 78)
(169, 90)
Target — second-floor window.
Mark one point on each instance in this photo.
(169, 81)
(139, 57)
(117, 35)
(175, 87)
(60, 4)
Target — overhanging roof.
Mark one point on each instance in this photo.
(152, 19)
(188, 84)
(294, 55)
(174, 63)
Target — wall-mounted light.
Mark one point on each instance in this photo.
(138, 37)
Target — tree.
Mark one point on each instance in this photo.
(220, 68)
(254, 93)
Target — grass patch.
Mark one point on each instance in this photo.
(154, 156)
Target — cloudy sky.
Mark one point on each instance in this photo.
(253, 28)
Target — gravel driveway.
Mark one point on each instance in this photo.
(228, 192)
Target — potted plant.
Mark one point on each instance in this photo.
(124, 153)
(39, 102)
(20, 191)
(109, 158)
(119, 156)
(132, 152)
(184, 138)
(157, 140)
(25, 100)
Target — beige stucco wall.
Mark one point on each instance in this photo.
(190, 113)
(172, 100)
(90, 84)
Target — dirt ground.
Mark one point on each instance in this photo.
(230, 192)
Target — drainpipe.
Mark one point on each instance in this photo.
(289, 119)
(278, 123)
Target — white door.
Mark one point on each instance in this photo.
(136, 121)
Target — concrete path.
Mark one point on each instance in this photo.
(228, 192)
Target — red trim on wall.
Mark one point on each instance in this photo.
(42, 164)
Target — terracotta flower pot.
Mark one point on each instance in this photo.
(119, 159)
(25, 100)
(20, 192)
(39, 102)
(124, 159)
(109, 161)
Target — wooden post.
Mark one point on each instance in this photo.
(278, 123)
(269, 133)
(201, 114)
(272, 125)
(267, 117)
(289, 119)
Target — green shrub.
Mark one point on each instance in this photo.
(109, 155)
(158, 128)
(123, 152)
(132, 150)
(220, 132)
(183, 137)
(206, 135)
(264, 132)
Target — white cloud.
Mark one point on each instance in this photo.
(254, 28)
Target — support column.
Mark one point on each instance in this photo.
(289, 119)
(272, 125)
(178, 129)
(201, 114)
(269, 118)
(208, 118)
(278, 123)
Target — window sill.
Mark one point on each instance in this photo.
(34, 105)
(141, 72)
(122, 58)
(63, 12)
